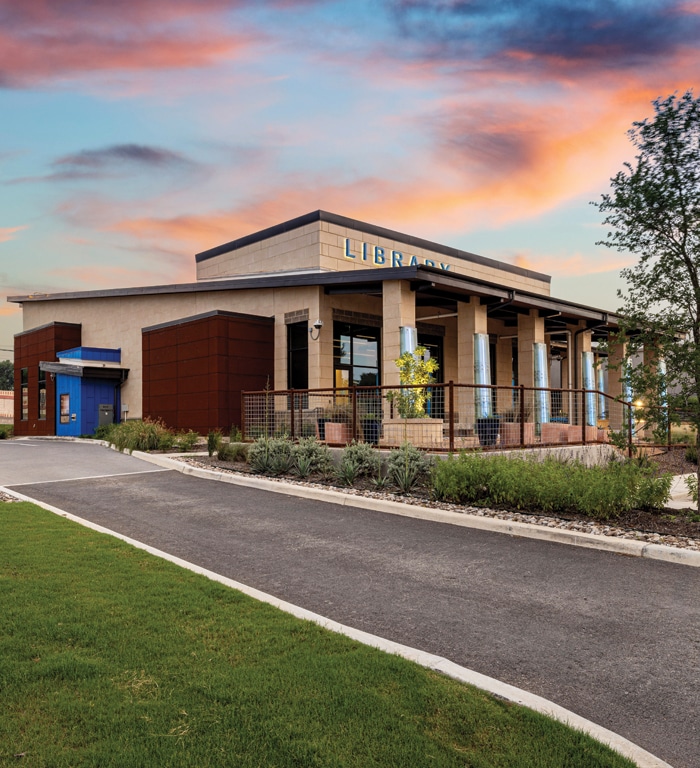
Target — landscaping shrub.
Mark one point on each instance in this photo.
(6, 431)
(348, 471)
(362, 456)
(186, 441)
(311, 457)
(407, 466)
(691, 454)
(104, 432)
(232, 452)
(214, 439)
(548, 486)
(141, 435)
(271, 456)
(653, 492)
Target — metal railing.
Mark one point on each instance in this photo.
(452, 416)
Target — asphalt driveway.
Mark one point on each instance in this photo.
(615, 639)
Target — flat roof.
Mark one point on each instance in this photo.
(424, 279)
(372, 229)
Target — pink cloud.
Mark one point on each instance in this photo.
(8, 233)
(9, 310)
(570, 265)
(45, 41)
(108, 276)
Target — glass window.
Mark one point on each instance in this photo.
(42, 394)
(24, 383)
(298, 355)
(355, 355)
(435, 406)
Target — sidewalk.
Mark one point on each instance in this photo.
(680, 497)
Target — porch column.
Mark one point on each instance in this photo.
(616, 385)
(530, 332)
(504, 374)
(582, 344)
(471, 319)
(321, 349)
(398, 309)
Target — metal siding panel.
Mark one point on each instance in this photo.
(68, 385)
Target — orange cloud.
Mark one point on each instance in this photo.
(173, 269)
(563, 265)
(49, 57)
(8, 233)
(64, 38)
(9, 310)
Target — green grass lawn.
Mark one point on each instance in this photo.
(112, 657)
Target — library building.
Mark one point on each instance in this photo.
(307, 319)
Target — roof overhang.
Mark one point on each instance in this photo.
(86, 371)
(430, 283)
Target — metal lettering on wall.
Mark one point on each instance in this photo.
(383, 257)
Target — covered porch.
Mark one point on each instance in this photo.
(526, 363)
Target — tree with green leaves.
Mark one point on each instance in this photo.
(415, 373)
(653, 212)
(7, 375)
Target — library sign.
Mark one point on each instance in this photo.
(383, 257)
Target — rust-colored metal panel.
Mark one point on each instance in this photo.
(214, 357)
(31, 348)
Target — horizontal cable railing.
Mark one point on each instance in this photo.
(445, 417)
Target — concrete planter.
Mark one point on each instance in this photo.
(510, 433)
(423, 433)
(337, 432)
(576, 434)
(554, 433)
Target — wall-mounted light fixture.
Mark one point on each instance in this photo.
(316, 327)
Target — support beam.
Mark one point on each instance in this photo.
(398, 309)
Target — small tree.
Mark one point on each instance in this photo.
(7, 380)
(654, 212)
(414, 370)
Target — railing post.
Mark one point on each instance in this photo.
(291, 413)
(522, 415)
(353, 400)
(243, 434)
(451, 411)
(583, 416)
(629, 430)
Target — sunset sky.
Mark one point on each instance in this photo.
(135, 134)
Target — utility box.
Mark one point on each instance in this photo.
(106, 414)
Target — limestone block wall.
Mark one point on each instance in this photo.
(326, 246)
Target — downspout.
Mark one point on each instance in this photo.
(508, 302)
(117, 396)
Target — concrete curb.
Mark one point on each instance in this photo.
(628, 749)
(525, 530)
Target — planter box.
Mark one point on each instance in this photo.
(576, 434)
(510, 433)
(337, 432)
(423, 433)
(554, 434)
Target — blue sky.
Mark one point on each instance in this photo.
(135, 134)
